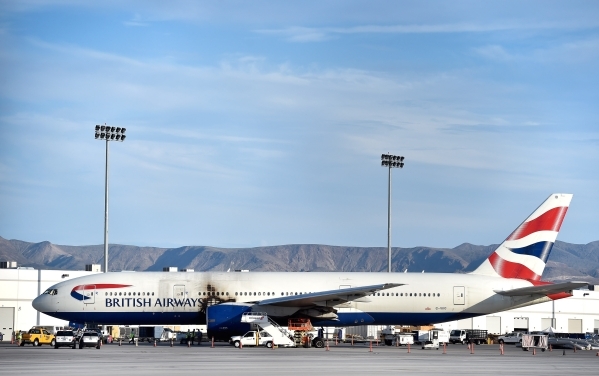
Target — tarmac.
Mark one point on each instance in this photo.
(342, 359)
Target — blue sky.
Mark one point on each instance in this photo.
(262, 123)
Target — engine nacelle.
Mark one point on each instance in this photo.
(224, 320)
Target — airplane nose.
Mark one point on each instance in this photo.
(38, 303)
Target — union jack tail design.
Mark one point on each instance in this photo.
(524, 253)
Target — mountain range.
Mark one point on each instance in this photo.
(566, 262)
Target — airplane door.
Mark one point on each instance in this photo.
(179, 291)
(89, 292)
(459, 295)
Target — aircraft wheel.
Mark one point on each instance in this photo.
(318, 343)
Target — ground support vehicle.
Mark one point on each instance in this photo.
(65, 338)
(534, 341)
(392, 337)
(465, 336)
(252, 338)
(436, 337)
(155, 333)
(38, 337)
(90, 339)
(278, 336)
(511, 338)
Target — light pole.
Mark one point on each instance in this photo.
(106, 133)
(390, 161)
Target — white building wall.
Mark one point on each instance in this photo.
(18, 288)
(583, 305)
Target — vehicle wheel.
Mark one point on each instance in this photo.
(477, 342)
(269, 344)
(389, 342)
(36, 342)
(80, 345)
(318, 343)
(22, 344)
(98, 346)
(55, 346)
(236, 344)
(53, 343)
(74, 346)
(464, 342)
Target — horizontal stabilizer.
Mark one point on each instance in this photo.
(341, 295)
(543, 289)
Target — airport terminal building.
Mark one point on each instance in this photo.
(576, 314)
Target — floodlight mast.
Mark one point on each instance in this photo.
(104, 132)
(390, 161)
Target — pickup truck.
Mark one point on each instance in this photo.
(249, 339)
(513, 338)
(38, 337)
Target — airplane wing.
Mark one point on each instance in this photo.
(543, 289)
(339, 296)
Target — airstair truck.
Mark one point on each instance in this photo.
(280, 336)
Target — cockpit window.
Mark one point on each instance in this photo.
(51, 292)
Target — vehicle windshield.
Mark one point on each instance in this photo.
(64, 333)
(455, 333)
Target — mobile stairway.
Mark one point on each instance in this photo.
(280, 336)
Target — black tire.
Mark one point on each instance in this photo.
(269, 344)
(36, 342)
(74, 345)
(53, 343)
(22, 344)
(389, 342)
(318, 342)
(98, 346)
(80, 345)
(55, 346)
(237, 344)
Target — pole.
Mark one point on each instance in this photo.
(106, 213)
(389, 223)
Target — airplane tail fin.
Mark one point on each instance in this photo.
(524, 253)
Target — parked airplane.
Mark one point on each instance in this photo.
(509, 278)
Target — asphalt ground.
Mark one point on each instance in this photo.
(342, 359)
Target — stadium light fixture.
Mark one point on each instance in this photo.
(105, 133)
(390, 161)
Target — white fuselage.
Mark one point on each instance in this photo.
(182, 297)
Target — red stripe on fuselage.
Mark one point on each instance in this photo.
(508, 269)
(99, 286)
(551, 220)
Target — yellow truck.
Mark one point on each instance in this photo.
(38, 337)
